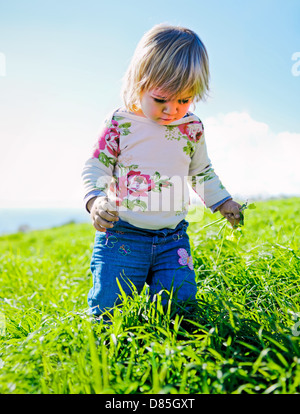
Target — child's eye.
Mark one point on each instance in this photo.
(183, 101)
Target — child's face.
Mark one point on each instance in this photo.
(156, 106)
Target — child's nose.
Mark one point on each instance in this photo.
(170, 108)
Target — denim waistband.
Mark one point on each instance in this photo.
(121, 225)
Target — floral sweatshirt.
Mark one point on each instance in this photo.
(144, 168)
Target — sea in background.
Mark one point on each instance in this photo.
(13, 220)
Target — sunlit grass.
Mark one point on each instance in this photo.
(242, 336)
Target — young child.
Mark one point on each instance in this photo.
(136, 180)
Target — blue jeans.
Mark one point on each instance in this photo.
(160, 258)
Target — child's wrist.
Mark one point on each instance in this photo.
(222, 205)
(90, 204)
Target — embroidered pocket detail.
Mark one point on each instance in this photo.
(110, 241)
(124, 249)
(185, 259)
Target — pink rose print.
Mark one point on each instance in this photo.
(193, 130)
(134, 183)
(185, 259)
(109, 139)
(139, 184)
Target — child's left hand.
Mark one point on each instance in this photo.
(231, 211)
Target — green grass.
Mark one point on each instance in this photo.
(242, 337)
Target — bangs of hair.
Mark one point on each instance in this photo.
(171, 59)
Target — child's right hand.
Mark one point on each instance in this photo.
(103, 213)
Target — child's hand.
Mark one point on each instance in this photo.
(103, 213)
(231, 211)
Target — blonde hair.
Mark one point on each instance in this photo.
(170, 58)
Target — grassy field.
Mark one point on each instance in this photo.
(243, 337)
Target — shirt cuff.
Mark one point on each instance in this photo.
(92, 194)
(218, 204)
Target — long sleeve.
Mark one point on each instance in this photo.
(203, 178)
(99, 169)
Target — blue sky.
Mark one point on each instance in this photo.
(64, 61)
